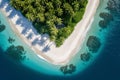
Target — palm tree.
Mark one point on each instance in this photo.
(68, 8)
(28, 2)
(76, 5)
(30, 17)
(57, 3)
(41, 17)
(49, 5)
(50, 23)
(59, 11)
(59, 21)
(40, 9)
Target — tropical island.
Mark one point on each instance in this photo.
(54, 17)
(55, 29)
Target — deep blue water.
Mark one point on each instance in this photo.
(105, 67)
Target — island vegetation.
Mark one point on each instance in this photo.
(54, 17)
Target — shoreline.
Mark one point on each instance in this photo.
(62, 55)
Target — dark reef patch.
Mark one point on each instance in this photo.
(113, 6)
(2, 27)
(103, 24)
(68, 69)
(85, 56)
(11, 40)
(93, 43)
(107, 18)
(16, 52)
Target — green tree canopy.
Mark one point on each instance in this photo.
(46, 15)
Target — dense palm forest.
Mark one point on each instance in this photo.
(55, 17)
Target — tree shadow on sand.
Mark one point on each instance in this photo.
(46, 48)
(30, 36)
(26, 24)
(3, 3)
(41, 40)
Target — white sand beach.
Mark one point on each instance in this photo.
(40, 44)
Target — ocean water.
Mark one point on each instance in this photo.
(103, 65)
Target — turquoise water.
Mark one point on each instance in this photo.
(39, 65)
